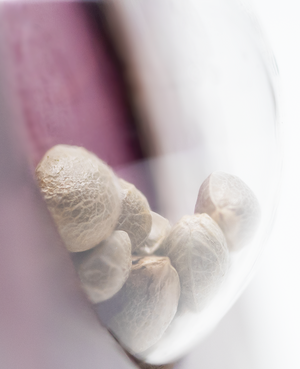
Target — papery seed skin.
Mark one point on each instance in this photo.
(135, 217)
(82, 194)
(104, 269)
(233, 205)
(146, 304)
(197, 249)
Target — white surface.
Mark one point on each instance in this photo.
(262, 331)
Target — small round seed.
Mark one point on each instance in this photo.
(141, 312)
(197, 249)
(161, 227)
(232, 204)
(104, 269)
(82, 194)
(135, 218)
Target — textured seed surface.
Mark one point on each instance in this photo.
(197, 249)
(161, 227)
(146, 304)
(104, 269)
(232, 204)
(82, 195)
(135, 218)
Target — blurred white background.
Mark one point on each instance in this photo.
(262, 330)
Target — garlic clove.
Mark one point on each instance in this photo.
(161, 227)
(141, 312)
(197, 249)
(135, 217)
(232, 204)
(82, 194)
(104, 269)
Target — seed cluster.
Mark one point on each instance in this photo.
(130, 261)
